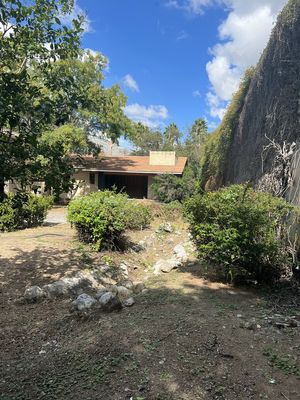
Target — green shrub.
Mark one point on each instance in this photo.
(102, 217)
(168, 188)
(238, 227)
(138, 215)
(23, 210)
(7, 215)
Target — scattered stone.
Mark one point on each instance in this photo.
(106, 280)
(104, 268)
(101, 292)
(239, 316)
(123, 292)
(180, 253)
(34, 294)
(138, 287)
(166, 227)
(128, 284)
(83, 302)
(140, 246)
(124, 268)
(112, 288)
(128, 302)
(251, 325)
(83, 281)
(165, 266)
(56, 289)
(110, 302)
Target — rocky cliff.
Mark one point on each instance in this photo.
(269, 118)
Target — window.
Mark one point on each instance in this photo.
(92, 178)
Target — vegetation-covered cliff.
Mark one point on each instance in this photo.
(254, 140)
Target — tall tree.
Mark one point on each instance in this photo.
(194, 144)
(31, 33)
(171, 137)
(145, 139)
(46, 82)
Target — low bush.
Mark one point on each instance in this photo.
(138, 215)
(101, 218)
(23, 210)
(238, 227)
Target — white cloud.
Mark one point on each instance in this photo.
(152, 116)
(191, 6)
(196, 93)
(130, 83)
(243, 36)
(217, 108)
(183, 35)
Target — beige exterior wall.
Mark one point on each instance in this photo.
(13, 187)
(162, 158)
(82, 185)
(150, 194)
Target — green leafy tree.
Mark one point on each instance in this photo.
(81, 98)
(171, 137)
(193, 147)
(146, 139)
(32, 33)
(57, 150)
(47, 82)
(168, 188)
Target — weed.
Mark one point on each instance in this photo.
(283, 362)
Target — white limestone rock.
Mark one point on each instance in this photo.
(84, 302)
(34, 294)
(110, 302)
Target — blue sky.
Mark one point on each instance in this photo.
(178, 60)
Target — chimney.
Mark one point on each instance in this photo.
(162, 158)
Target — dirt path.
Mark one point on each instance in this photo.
(183, 339)
(57, 215)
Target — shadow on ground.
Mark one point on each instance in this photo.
(182, 340)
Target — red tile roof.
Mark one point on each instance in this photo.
(129, 164)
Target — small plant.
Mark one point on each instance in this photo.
(241, 229)
(283, 362)
(107, 260)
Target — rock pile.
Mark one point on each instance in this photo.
(94, 289)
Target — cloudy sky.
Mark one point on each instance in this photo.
(178, 60)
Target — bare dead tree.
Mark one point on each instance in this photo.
(280, 177)
(279, 181)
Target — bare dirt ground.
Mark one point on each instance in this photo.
(185, 338)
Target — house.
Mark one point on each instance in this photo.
(133, 174)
